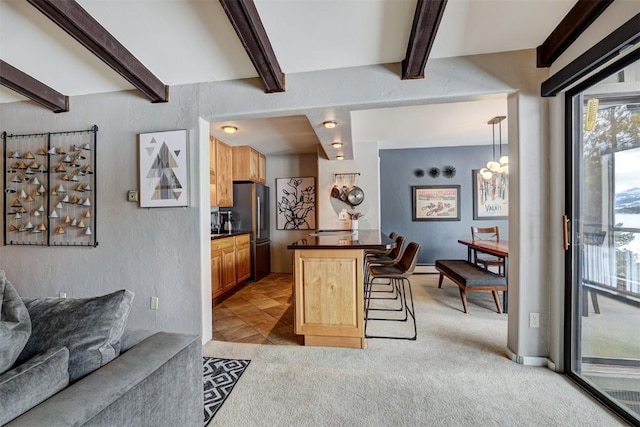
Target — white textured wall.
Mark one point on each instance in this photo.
(153, 252)
(367, 163)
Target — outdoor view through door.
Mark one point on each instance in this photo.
(605, 319)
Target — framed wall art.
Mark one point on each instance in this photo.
(296, 203)
(164, 173)
(50, 188)
(436, 202)
(490, 196)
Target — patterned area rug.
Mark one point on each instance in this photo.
(220, 376)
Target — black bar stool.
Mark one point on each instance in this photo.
(398, 274)
(392, 258)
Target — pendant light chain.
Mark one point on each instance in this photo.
(493, 166)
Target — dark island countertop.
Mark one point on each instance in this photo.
(344, 239)
(225, 234)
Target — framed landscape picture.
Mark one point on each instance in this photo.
(490, 196)
(436, 202)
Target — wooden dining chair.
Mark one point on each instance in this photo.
(489, 234)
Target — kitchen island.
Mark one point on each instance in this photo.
(329, 285)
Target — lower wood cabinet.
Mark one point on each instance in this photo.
(230, 263)
(243, 258)
(329, 297)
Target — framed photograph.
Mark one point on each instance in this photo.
(163, 169)
(296, 203)
(490, 196)
(436, 202)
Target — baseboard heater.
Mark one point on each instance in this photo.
(425, 269)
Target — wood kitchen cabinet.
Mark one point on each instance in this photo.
(262, 169)
(249, 164)
(220, 173)
(223, 265)
(217, 284)
(243, 258)
(230, 263)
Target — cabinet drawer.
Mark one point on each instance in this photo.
(242, 240)
(219, 244)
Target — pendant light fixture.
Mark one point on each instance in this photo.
(494, 166)
(504, 160)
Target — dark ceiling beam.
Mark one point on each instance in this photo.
(426, 21)
(33, 89)
(246, 21)
(77, 22)
(581, 15)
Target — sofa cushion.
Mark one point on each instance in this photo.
(91, 328)
(15, 324)
(32, 382)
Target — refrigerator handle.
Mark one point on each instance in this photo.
(259, 218)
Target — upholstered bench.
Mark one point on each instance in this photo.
(470, 277)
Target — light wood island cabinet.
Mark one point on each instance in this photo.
(329, 286)
(230, 263)
(329, 297)
(220, 173)
(249, 164)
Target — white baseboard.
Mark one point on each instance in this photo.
(531, 360)
(425, 269)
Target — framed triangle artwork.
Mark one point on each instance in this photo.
(164, 173)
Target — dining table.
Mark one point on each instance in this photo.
(497, 248)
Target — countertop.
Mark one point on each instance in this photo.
(344, 239)
(225, 234)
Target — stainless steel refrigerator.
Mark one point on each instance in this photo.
(251, 213)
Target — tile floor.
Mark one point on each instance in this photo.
(260, 313)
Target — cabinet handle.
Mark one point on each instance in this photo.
(258, 225)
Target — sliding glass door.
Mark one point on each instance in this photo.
(603, 118)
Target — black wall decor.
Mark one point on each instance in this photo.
(50, 188)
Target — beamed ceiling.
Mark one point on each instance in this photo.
(52, 50)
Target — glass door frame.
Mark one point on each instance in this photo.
(574, 108)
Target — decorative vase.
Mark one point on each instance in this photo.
(354, 224)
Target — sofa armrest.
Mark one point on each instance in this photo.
(157, 382)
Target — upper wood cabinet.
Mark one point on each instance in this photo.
(262, 169)
(248, 164)
(220, 173)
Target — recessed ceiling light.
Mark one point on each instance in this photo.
(336, 144)
(229, 129)
(330, 124)
(341, 157)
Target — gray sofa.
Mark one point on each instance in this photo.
(68, 362)
(155, 382)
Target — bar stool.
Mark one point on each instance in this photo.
(393, 257)
(398, 274)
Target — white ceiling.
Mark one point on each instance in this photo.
(190, 41)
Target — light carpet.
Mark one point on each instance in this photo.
(455, 374)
